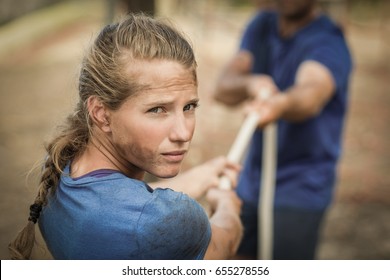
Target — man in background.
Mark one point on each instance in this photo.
(300, 56)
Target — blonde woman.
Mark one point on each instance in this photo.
(136, 114)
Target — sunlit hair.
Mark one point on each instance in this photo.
(135, 39)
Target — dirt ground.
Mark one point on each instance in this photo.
(38, 86)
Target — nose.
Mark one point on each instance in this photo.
(182, 128)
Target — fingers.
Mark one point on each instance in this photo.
(261, 87)
(264, 110)
(216, 197)
(232, 176)
(233, 166)
(217, 164)
(221, 166)
(231, 172)
(264, 93)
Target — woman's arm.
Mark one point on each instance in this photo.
(226, 227)
(196, 181)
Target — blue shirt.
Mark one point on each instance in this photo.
(110, 216)
(307, 151)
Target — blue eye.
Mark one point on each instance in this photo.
(191, 106)
(156, 110)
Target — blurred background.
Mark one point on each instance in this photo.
(41, 46)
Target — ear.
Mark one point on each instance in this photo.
(98, 113)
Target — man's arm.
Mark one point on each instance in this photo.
(313, 88)
(232, 86)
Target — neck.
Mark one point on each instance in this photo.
(289, 26)
(101, 154)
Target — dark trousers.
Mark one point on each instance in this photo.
(295, 231)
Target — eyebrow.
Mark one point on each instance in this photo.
(168, 102)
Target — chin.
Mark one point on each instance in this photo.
(166, 174)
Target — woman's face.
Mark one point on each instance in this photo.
(152, 130)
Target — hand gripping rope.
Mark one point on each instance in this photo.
(266, 199)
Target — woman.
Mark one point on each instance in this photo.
(136, 114)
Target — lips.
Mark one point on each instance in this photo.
(174, 156)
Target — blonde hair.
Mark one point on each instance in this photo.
(137, 37)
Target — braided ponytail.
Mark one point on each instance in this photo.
(70, 142)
